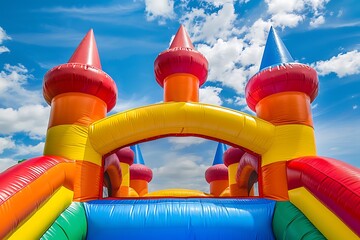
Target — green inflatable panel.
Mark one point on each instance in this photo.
(71, 224)
(289, 223)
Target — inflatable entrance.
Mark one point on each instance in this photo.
(92, 182)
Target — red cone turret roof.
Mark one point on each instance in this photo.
(181, 57)
(81, 74)
(87, 52)
(181, 39)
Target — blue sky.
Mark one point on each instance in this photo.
(35, 37)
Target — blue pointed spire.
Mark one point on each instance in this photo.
(275, 51)
(218, 159)
(138, 158)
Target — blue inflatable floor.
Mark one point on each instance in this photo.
(194, 218)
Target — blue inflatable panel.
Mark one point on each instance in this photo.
(193, 218)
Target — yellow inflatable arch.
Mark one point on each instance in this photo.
(181, 119)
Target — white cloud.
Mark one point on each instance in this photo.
(30, 150)
(290, 13)
(342, 65)
(223, 58)
(218, 3)
(286, 19)
(181, 172)
(6, 143)
(184, 142)
(159, 9)
(12, 91)
(355, 107)
(5, 163)
(210, 95)
(4, 49)
(317, 21)
(3, 37)
(30, 119)
(232, 62)
(210, 27)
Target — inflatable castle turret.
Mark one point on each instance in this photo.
(181, 70)
(79, 93)
(126, 159)
(140, 175)
(217, 174)
(281, 93)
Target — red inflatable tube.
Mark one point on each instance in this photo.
(112, 167)
(247, 172)
(336, 184)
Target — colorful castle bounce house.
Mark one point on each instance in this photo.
(92, 182)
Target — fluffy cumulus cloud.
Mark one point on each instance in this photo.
(342, 65)
(209, 27)
(29, 150)
(5, 163)
(21, 110)
(210, 95)
(186, 172)
(317, 21)
(232, 61)
(159, 9)
(183, 142)
(6, 143)
(30, 119)
(13, 80)
(3, 37)
(292, 12)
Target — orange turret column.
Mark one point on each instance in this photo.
(79, 93)
(181, 70)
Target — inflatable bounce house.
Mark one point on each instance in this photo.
(92, 182)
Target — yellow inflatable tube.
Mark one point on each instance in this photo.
(42, 219)
(323, 219)
(181, 118)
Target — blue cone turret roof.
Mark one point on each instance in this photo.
(138, 159)
(221, 148)
(275, 51)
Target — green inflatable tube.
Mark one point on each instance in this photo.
(71, 224)
(290, 223)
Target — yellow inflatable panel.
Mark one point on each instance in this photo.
(177, 193)
(181, 118)
(232, 169)
(41, 220)
(326, 221)
(290, 141)
(71, 142)
(125, 171)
